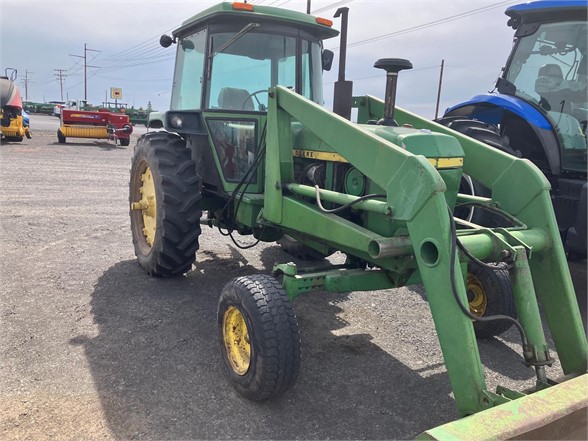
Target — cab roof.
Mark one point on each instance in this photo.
(226, 11)
(549, 10)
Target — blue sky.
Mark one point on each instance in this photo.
(37, 37)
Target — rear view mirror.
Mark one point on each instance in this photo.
(165, 40)
(327, 59)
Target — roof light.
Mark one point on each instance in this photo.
(324, 21)
(242, 6)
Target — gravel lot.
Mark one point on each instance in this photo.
(92, 348)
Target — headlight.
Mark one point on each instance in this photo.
(176, 121)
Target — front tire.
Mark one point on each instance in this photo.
(165, 212)
(259, 337)
(490, 293)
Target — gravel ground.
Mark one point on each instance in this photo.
(92, 348)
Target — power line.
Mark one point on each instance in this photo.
(380, 75)
(277, 1)
(428, 25)
(134, 80)
(85, 57)
(149, 55)
(331, 6)
(149, 44)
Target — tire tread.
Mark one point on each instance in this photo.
(180, 229)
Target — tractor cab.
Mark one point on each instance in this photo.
(547, 68)
(228, 57)
(539, 110)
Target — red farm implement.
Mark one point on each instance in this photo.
(94, 125)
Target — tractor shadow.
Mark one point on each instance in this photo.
(579, 280)
(503, 354)
(102, 145)
(157, 367)
(494, 353)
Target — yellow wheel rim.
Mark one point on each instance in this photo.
(148, 206)
(479, 301)
(236, 338)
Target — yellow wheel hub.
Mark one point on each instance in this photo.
(479, 301)
(236, 338)
(148, 205)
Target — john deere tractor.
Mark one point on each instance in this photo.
(248, 149)
(539, 109)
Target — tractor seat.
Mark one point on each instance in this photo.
(236, 99)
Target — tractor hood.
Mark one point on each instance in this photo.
(436, 147)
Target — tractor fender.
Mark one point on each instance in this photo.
(510, 103)
(155, 120)
(491, 109)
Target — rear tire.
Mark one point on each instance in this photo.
(490, 293)
(487, 134)
(259, 337)
(124, 142)
(167, 226)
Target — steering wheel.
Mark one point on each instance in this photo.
(254, 95)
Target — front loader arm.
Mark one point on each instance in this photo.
(415, 196)
(519, 188)
(415, 193)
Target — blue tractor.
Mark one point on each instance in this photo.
(539, 110)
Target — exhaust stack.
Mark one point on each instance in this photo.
(343, 96)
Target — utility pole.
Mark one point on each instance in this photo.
(308, 6)
(439, 90)
(85, 57)
(59, 74)
(25, 81)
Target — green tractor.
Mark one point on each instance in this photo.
(248, 149)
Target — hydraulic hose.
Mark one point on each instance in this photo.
(348, 205)
(463, 308)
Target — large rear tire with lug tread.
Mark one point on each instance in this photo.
(488, 134)
(164, 193)
(259, 337)
(490, 293)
